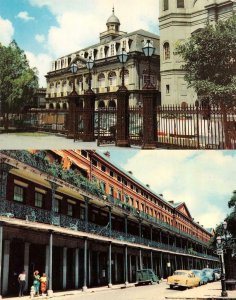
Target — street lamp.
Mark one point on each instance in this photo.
(89, 104)
(74, 69)
(73, 98)
(89, 65)
(123, 57)
(148, 51)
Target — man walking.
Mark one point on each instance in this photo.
(21, 280)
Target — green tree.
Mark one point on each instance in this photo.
(231, 218)
(210, 61)
(17, 80)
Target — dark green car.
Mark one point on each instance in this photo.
(146, 276)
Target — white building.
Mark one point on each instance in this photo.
(106, 75)
(178, 20)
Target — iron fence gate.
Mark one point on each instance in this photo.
(135, 125)
(105, 125)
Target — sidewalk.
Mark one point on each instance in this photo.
(75, 292)
(209, 291)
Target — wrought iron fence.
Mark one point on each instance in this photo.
(136, 125)
(32, 214)
(196, 127)
(105, 125)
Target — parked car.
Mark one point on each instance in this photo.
(183, 278)
(201, 275)
(209, 273)
(146, 276)
(217, 273)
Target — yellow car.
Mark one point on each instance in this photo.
(183, 278)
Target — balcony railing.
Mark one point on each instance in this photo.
(20, 211)
(55, 169)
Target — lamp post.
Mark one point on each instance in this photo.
(89, 106)
(149, 103)
(220, 252)
(73, 97)
(122, 106)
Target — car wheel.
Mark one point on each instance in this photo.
(171, 286)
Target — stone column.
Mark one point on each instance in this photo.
(140, 259)
(126, 265)
(84, 288)
(109, 268)
(116, 274)
(47, 260)
(64, 268)
(76, 268)
(50, 291)
(98, 268)
(26, 263)
(6, 257)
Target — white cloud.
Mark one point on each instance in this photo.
(80, 23)
(6, 32)
(24, 15)
(40, 38)
(42, 63)
(204, 180)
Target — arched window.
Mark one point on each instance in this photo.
(101, 80)
(112, 78)
(101, 104)
(80, 82)
(166, 49)
(112, 104)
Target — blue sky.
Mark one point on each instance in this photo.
(204, 180)
(48, 29)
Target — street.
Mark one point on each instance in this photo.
(147, 292)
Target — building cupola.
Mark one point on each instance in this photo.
(113, 28)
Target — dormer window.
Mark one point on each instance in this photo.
(165, 5)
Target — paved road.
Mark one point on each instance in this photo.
(145, 292)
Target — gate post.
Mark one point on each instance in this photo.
(149, 118)
(122, 117)
(71, 130)
(88, 116)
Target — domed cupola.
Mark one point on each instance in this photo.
(113, 29)
(113, 20)
(113, 23)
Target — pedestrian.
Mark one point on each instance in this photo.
(43, 286)
(21, 280)
(36, 282)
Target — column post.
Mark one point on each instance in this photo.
(64, 268)
(50, 291)
(126, 265)
(109, 267)
(84, 288)
(77, 268)
(6, 258)
(26, 263)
